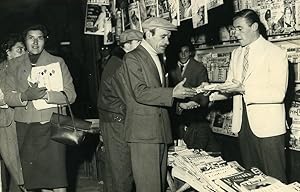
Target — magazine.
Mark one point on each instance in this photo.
(96, 14)
(214, 3)
(292, 187)
(185, 9)
(199, 13)
(151, 8)
(49, 76)
(164, 9)
(174, 12)
(250, 180)
(135, 16)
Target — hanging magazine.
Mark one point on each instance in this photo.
(163, 9)
(199, 13)
(135, 16)
(174, 12)
(96, 13)
(151, 8)
(214, 3)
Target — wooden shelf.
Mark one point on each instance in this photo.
(234, 43)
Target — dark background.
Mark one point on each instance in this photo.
(65, 22)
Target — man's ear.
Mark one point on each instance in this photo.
(148, 34)
(254, 26)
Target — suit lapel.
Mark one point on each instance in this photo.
(151, 65)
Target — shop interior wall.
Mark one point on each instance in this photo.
(64, 20)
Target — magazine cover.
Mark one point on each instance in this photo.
(270, 13)
(199, 13)
(151, 8)
(135, 16)
(289, 16)
(222, 123)
(49, 76)
(294, 138)
(214, 3)
(185, 9)
(164, 9)
(174, 12)
(142, 6)
(96, 13)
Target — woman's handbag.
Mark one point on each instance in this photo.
(67, 129)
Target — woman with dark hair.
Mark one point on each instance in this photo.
(43, 160)
(11, 48)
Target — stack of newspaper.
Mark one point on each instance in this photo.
(206, 173)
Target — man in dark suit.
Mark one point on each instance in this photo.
(189, 115)
(118, 174)
(147, 121)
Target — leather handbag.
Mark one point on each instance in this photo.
(67, 129)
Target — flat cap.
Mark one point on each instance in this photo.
(130, 34)
(157, 22)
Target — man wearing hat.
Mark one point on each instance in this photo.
(147, 123)
(118, 174)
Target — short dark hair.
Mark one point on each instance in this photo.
(251, 16)
(40, 27)
(189, 45)
(8, 43)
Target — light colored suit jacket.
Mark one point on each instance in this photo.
(265, 88)
(147, 118)
(16, 82)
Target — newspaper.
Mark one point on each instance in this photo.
(49, 76)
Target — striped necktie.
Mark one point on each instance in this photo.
(245, 63)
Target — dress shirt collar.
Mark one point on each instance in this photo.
(183, 64)
(148, 47)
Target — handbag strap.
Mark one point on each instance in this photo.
(70, 110)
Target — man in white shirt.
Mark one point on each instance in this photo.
(257, 79)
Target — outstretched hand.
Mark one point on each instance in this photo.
(233, 87)
(189, 105)
(182, 92)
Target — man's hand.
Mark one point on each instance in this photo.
(189, 105)
(233, 87)
(33, 92)
(182, 92)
